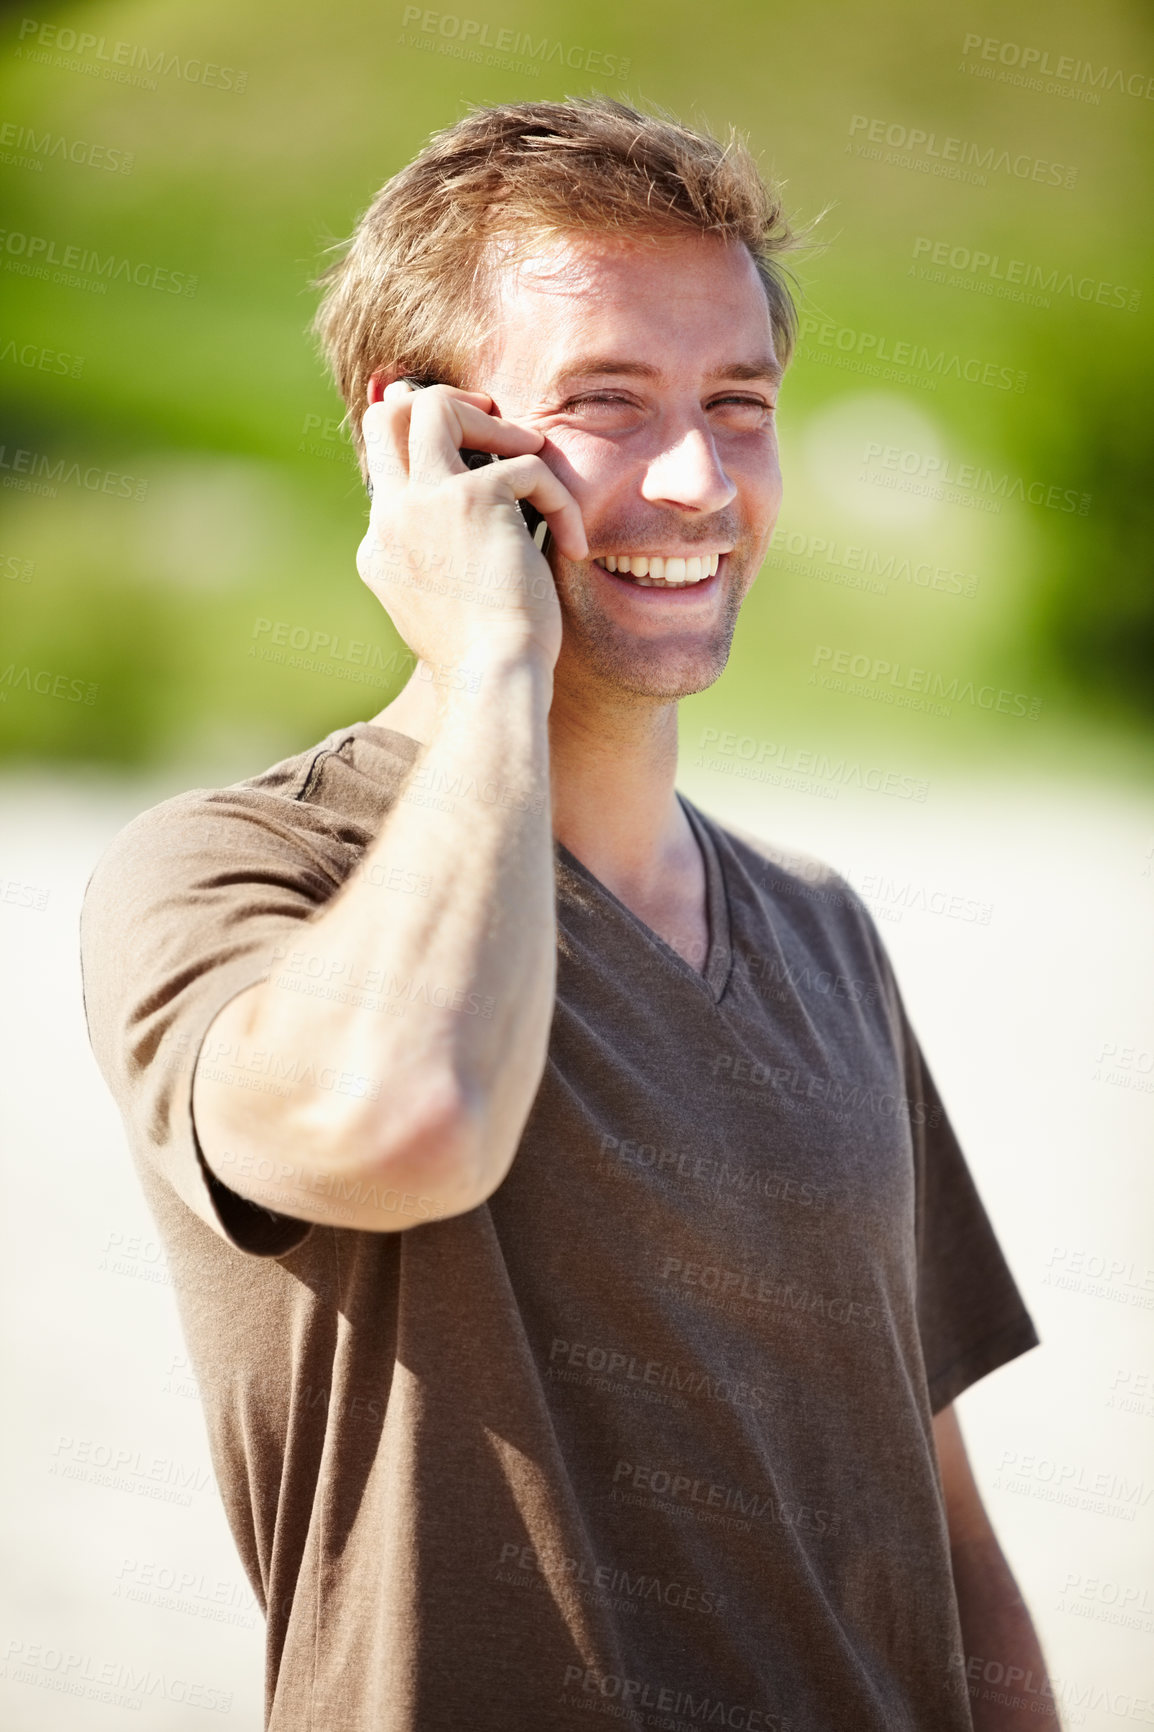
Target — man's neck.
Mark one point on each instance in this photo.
(613, 761)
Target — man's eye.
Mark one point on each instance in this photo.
(758, 403)
(611, 398)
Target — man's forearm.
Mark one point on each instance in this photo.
(1002, 1665)
(455, 898)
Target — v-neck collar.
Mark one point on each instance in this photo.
(719, 957)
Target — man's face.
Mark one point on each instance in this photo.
(651, 371)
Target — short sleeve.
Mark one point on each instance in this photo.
(185, 909)
(971, 1316)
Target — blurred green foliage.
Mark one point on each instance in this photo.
(214, 398)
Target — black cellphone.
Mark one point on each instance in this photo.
(534, 522)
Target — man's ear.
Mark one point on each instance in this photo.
(381, 380)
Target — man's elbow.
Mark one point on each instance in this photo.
(421, 1159)
(377, 1167)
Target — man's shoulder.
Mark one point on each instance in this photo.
(798, 905)
(351, 774)
(307, 813)
(800, 879)
(284, 780)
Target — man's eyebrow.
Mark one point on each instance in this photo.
(766, 367)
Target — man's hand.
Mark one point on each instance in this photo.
(447, 552)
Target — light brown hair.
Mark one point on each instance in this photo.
(410, 294)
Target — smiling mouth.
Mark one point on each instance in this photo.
(662, 571)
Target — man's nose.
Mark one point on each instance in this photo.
(688, 473)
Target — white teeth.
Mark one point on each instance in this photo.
(655, 571)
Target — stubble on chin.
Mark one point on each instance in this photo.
(645, 669)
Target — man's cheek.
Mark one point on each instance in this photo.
(759, 483)
(766, 519)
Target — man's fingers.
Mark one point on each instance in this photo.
(386, 436)
(441, 425)
(393, 448)
(530, 478)
(417, 435)
(482, 432)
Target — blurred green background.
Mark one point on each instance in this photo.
(220, 150)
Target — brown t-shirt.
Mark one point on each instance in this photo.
(648, 1433)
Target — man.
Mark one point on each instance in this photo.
(577, 1261)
